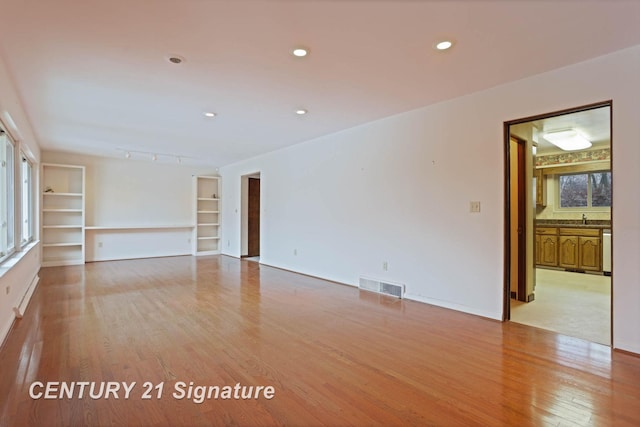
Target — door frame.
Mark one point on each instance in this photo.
(506, 312)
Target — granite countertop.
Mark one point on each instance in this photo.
(573, 223)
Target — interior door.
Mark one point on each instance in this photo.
(253, 227)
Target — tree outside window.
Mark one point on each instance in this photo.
(585, 190)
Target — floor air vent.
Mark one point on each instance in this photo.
(393, 289)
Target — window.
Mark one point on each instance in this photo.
(27, 200)
(585, 190)
(7, 211)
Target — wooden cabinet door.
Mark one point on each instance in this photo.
(549, 250)
(568, 253)
(538, 258)
(590, 253)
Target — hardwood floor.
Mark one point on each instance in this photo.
(334, 355)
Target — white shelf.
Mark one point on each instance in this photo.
(135, 227)
(63, 194)
(206, 205)
(62, 214)
(63, 210)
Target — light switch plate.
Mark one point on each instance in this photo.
(474, 207)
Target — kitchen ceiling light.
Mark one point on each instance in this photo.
(300, 52)
(568, 140)
(209, 114)
(301, 111)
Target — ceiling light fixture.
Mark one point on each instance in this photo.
(443, 45)
(568, 140)
(209, 114)
(175, 59)
(300, 52)
(301, 111)
(155, 156)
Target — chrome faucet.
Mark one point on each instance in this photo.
(584, 218)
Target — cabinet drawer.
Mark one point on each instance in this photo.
(547, 230)
(589, 232)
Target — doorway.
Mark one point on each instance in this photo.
(251, 207)
(563, 196)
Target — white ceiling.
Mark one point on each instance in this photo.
(94, 78)
(593, 124)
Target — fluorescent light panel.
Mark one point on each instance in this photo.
(568, 140)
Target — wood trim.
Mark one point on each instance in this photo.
(607, 103)
(506, 303)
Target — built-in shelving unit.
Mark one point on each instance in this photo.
(63, 189)
(206, 240)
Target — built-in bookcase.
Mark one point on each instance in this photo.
(62, 221)
(206, 239)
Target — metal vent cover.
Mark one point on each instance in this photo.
(386, 288)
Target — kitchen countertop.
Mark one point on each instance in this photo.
(573, 223)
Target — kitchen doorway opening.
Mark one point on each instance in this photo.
(250, 216)
(558, 222)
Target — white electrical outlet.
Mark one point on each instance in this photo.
(474, 207)
(295, 252)
(99, 244)
(385, 266)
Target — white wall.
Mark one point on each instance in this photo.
(135, 195)
(398, 190)
(18, 274)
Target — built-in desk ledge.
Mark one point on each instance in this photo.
(576, 223)
(137, 227)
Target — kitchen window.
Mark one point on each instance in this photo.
(585, 190)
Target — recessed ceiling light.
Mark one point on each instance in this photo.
(443, 44)
(301, 111)
(209, 114)
(300, 52)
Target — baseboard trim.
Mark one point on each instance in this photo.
(22, 307)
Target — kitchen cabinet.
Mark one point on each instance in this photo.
(547, 246)
(571, 248)
(580, 249)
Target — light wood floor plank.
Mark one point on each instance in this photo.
(335, 355)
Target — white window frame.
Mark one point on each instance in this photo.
(26, 200)
(7, 195)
